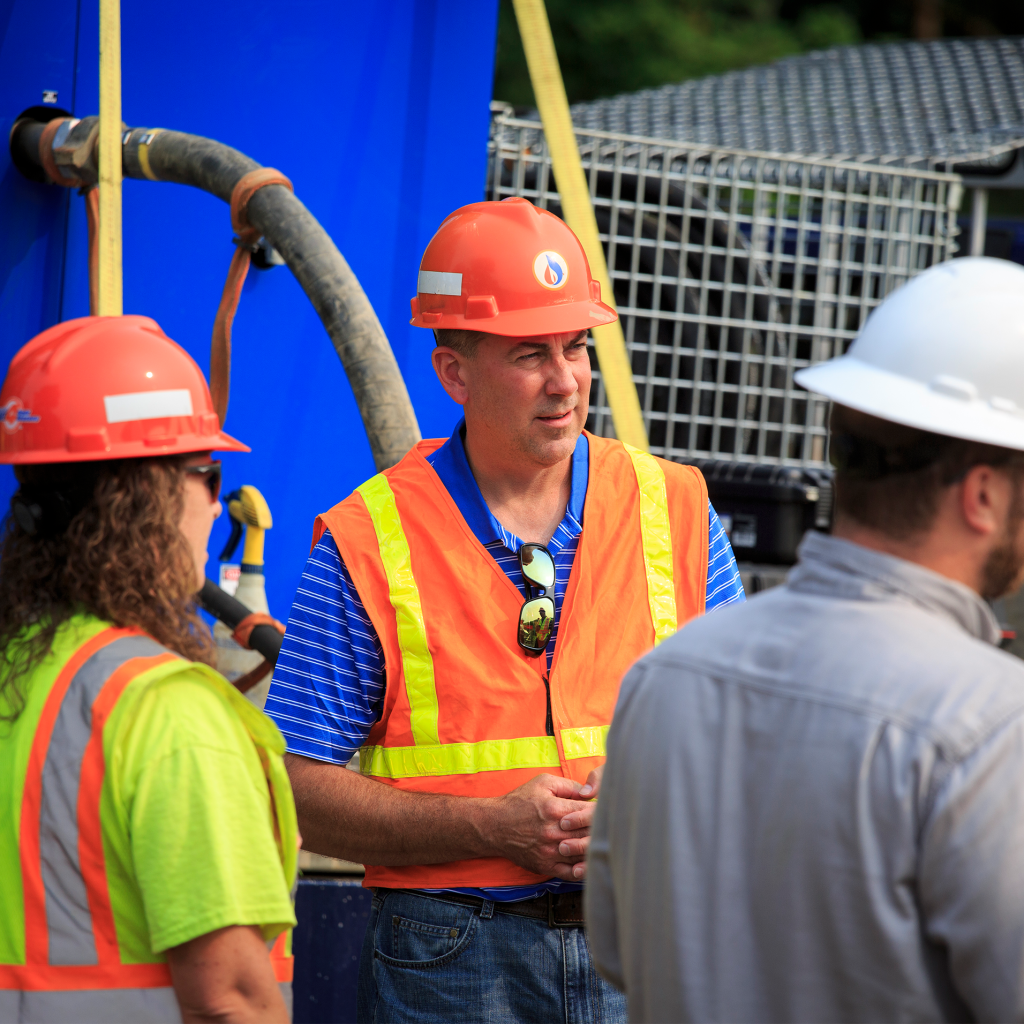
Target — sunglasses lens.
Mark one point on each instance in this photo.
(210, 474)
(535, 623)
(538, 565)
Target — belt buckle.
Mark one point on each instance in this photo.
(552, 922)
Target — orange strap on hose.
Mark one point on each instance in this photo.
(243, 684)
(244, 629)
(220, 345)
(241, 637)
(92, 216)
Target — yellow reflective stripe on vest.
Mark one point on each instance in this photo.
(584, 742)
(656, 536)
(459, 758)
(431, 757)
(417, 664)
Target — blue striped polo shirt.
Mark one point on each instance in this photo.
(328, 686)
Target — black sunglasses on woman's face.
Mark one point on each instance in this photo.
(209, 473)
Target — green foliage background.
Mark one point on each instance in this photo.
(607, 47)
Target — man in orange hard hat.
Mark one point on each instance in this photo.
(134, 779)
(465, 619)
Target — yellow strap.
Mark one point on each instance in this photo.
(143, 151)
(459, 758)
(588, 741)
(417, 663)
(109, 287)
(656, 535)
(578, 212)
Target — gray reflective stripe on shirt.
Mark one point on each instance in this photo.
(67, 906)
(101, 1006)
(91, 1006)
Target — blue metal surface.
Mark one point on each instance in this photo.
(332, 917)
(377, 112)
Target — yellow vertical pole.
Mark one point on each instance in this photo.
(110, 298)
(578, 211)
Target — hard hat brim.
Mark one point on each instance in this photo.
(525, 323)
(858, 385)
(182, 445)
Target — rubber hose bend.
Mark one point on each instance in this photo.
(315, 261)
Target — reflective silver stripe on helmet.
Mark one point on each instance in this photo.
(437, 282)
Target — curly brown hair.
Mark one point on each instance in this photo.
(120, 557)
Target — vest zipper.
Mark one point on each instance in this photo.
(549, 724)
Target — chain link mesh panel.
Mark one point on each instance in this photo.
(732, 270)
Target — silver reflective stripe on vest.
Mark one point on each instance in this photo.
(101, 1006)
(94, 1006)
(67, 906)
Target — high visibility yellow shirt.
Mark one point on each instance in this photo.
(135, 815)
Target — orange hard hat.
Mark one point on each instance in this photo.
(106, 387)
(507, 268)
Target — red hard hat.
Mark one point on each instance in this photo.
(507, 268)
(106, 387)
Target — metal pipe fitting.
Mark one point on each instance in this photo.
(286, 224)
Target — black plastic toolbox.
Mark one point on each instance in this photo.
(766, 510)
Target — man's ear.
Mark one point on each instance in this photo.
(986, 494)
(450, 367)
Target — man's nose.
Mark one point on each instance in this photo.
(562, 381)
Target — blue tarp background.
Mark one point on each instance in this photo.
(378, 112)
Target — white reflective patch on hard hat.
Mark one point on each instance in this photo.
(148, 405)
(437, 282)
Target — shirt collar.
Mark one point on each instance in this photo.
(840, 568)
(452, 467)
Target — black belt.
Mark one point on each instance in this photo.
(557, 909)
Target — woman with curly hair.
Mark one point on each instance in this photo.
(147, 831)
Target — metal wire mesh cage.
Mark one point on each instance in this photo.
(732, 270)
(955, 100)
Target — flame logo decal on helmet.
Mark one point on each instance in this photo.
(13, 414)
(551, 270)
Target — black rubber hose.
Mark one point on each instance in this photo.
(221, 605)
(25, 135)
(287, 225)
(320, 268)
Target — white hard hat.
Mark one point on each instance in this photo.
(945, 353)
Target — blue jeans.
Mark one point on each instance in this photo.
(427, 959)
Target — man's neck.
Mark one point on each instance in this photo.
(527, 499)
(932, 551)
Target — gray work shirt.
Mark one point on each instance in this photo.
(813, 807)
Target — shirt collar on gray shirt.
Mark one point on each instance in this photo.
(840, 568)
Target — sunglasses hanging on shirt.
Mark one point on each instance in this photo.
(537, 616)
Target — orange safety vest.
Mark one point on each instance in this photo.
(464, 707)
(72, 968)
